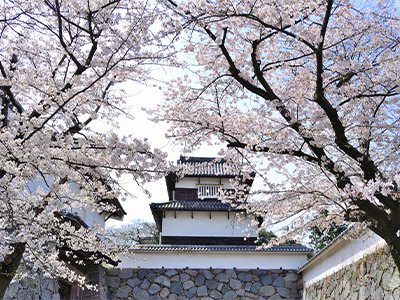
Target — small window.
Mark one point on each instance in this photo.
(208, 190)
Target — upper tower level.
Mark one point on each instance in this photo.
(195, 214)
(203, 179)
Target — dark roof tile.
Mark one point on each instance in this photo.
(207, 166)
(198, 205)
(195, 248)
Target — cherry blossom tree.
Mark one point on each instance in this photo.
(137, 232)
(61, 63)
(306, 92)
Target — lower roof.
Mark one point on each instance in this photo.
(196, 205)
(200, 248)
(329, 246)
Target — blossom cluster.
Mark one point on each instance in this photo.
(61, 65)
(306, 93)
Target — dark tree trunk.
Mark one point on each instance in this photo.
(9, 266)
(387, 229)
(396, 256)
(393, 242)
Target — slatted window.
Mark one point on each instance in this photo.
(208, 190)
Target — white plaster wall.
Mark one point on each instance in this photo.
(93, 217)
(202, 225)
(341, 254)
(192, 182)
(90, 217)
(221, 260)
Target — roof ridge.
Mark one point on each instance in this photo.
(224, 248)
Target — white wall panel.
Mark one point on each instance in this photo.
(202, 225)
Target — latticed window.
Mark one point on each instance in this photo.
(208, 190)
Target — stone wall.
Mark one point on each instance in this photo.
(372, 277)
(228, 284)
(36, 289)
(42, 288)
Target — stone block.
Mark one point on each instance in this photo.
(171, 272)
(279, 282)
(133, 282)
(378, 294)
(141, 273)
(220, 286)
(255, 287)
(124, 291)
(190, 293)
(250, 296)
(231, 295)
(215, 294)
(284, 292)
(140, 294)
(299, 284)
(231, 273)
(145, 284)
(294, 291)
(222, 277)
(291, 277)
(274, 275)
(125, 273)
(199, 280)
(259, 272)
(154, 288)
(173, 297)
(267, 291)
(241, 292)
(247, 287)
(191, 272)
(390, 282)
(188, 284)
(211, 284)
(235, 284)
(163, 280)
(245, 277)
(113, 282)
(175, 278)
(225, 289)
(176, 288)
(396, 293)
(164, 293)
(150, 275)
(266, 280)
(208, 274)
(184, 277)
(202, 291)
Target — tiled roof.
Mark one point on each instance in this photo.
(194, 248)
(207, 166)
(322, 251)
(73, 218)
(198, 205)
